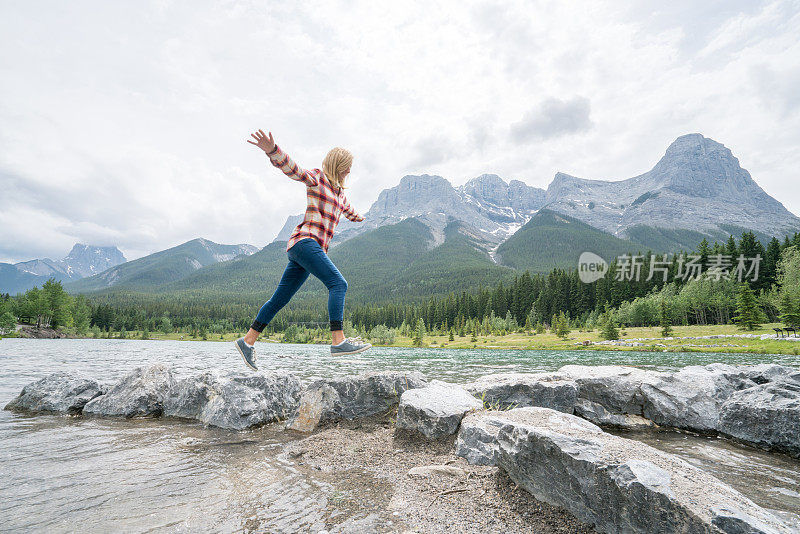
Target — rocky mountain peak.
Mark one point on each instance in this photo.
(417, 181)
(488, 187)
(701, 167)
(698, 185)
(415, 194)
(695, 144)
(86, 260)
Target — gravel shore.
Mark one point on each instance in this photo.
(367, 465)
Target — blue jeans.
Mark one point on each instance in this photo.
(306, 257)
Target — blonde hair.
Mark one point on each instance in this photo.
(335, 164)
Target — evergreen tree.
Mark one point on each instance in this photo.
(747, 311)
(419, 333)
(608, 329)
(730, 248)
(665, 321)
(790, 311)
(562, 329)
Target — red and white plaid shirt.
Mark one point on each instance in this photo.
(325, 203)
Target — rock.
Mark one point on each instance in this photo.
(234, 401)
(435, 410)
(767, 415)
(617, 484)
(428, 470)
(58, 393)
(352, 397)
(477, 437)
(597, 414)
(40, 333)
(316, 405)
(746, 376)
(616, 388)
(629, 397)
(518, 390)
(140, 393)
(689, 398)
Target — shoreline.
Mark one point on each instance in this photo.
(368, 465)
(728, 342)
(380, 445)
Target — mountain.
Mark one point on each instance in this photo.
(696, 190)
(425, 237)
(145, 274)
(697, 185)
(289, 226)
(366, 262)
(551, 239)
(83, 260)
(400, 259)
(490, 207)
(397, 261)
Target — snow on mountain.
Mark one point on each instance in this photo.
(226, 252)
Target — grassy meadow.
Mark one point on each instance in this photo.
(575, 340)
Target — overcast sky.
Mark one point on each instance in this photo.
(124, 123)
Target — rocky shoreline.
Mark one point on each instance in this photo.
(540, 429)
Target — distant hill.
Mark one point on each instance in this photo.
(149, 272)
(402, 261)
(392, 262)
(82, 260)
(550, 240)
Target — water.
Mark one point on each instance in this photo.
(97, 475)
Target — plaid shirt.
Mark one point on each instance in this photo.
(325, 205)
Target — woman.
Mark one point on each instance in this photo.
(308, 245)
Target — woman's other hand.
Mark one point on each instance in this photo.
(265, 143)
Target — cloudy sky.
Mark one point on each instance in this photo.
(124, 123)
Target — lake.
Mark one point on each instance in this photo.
(97, 475)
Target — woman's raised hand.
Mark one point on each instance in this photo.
(267, 144)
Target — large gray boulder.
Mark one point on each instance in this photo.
(689, 398)
(597, 414)
(756, 404)
(477, 436)
(503, 391)
(234, 401)
(353, 397)
(139, 393)
(617, 388)
(617, 484)
(435, 410)
(746, 376)
(56, 393)
(767, 415)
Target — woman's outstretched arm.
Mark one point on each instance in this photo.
(282, 160)
(350, 213)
